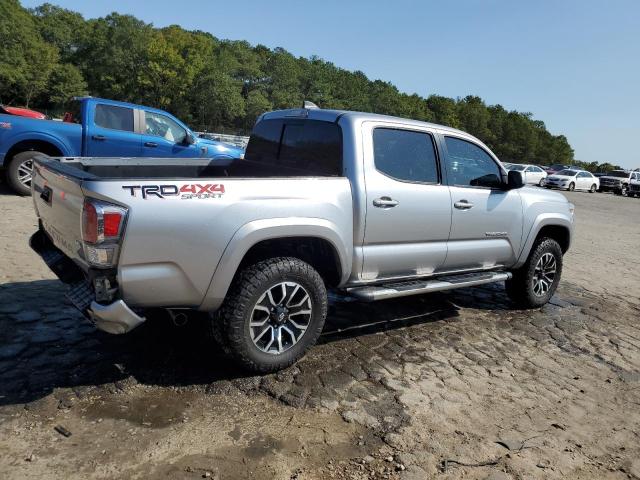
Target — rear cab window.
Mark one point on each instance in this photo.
(114, 117)
(296, 147)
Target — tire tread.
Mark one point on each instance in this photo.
(228, 323)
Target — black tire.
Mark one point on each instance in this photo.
(572, 187)
(231, 324)
(15, 171)
(521, 287)
(541, 182)
(593, 188)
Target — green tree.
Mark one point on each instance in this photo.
(114, 56)
(444, 110)
(65, 82)
(62, 28)
(219, 99)
(26, 60)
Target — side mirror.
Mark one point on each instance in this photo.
(514, 179)
(189, 139)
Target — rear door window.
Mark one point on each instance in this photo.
(113, 117)
(297, 147)
(405, 155)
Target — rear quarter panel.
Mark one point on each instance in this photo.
(172, 246)
(66, 137)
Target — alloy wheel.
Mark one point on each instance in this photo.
(280, 317)
(25, 171)
(544, 274)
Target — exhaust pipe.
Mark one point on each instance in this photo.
(178, 318)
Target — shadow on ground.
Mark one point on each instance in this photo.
(46, 344)
(4, 187)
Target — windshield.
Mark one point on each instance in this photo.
(568, 173)
(618, 173)
(556, 167)
(517, 168)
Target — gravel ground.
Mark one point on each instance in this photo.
(457, 385)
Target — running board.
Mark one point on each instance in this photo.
(372, 293)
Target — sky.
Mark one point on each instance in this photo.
(575, 64)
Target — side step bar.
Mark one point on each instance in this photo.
(372, 293)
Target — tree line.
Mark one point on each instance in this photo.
(49, 55)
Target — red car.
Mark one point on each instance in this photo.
(22, 112)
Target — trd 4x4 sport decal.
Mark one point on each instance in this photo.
(185, 192)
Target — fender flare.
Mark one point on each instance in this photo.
(541, 221)
(54, 141)
(257, 231)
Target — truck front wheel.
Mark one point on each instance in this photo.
(20, 171)
(273, 312)
(536, 281)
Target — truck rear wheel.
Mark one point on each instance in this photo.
(20, 171)
(273, 312)
(536, 281)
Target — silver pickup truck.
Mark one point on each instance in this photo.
(371, 206)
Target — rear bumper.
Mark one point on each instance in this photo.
(116, 317)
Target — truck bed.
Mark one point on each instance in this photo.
(87, 168)
(187, 218)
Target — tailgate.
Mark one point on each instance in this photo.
(58, 199)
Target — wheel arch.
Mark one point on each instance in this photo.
(554, 226)
(44, 146)
(313, 240)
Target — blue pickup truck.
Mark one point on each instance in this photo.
(99, 128)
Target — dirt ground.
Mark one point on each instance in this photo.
(448, 386)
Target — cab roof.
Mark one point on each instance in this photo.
(335, 115)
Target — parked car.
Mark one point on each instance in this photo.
(21, 112)
(616, 181)
(99, 128)
(532, 174)
(573, 180)
(373, 206)
(633, 190)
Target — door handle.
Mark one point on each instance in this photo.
(463, 205)
(150, 144)
(385, 202)
(99, 138)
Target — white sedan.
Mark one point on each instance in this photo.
(531, 174)
(573, 179)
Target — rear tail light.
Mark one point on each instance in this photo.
(102, 226)
(89, 223)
